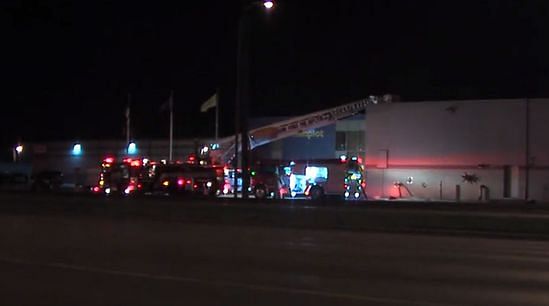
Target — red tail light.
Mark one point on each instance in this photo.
(180, 182)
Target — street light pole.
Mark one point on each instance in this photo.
(17, 150)
(242, 96)
(242, 100)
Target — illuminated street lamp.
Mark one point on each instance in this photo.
(132, 148)
(77, 149)
(268, 4)
(242, 94)
(17, 150)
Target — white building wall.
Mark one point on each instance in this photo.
(436, 143)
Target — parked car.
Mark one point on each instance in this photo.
(14, 182)
(47, 181)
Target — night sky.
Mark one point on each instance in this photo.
(67, 66)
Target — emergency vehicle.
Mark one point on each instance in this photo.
(316, 179)
(140, 175)
(185, 178)
(313, 179)
(127, 176)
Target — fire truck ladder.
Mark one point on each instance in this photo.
(290, 127)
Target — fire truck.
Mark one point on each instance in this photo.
(185, 178)
(128, 176)
(132, 175)
(313, 179)
(316, 179)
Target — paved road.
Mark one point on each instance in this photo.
(78, 260)
(489, 219)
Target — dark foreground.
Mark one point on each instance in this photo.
(49, 260)
(93, 257)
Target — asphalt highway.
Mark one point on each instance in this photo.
(95, 260)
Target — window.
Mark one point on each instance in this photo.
(355, 141)
(341, 141)
(316, 174)
(350, 141)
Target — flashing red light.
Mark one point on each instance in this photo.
(135, 163)
(180, 182)
(109, 160)
(96, 189)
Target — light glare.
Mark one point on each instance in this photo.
(132, 148)
(77, 149)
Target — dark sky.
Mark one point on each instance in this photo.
(67, 66)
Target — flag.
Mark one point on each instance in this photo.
(210, 103)
(168, 105)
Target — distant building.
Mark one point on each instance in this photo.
(81, 167)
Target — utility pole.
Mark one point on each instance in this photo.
(242, 93)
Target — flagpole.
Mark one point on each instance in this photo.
(128, 120)
(216, 116)
(171, 126)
